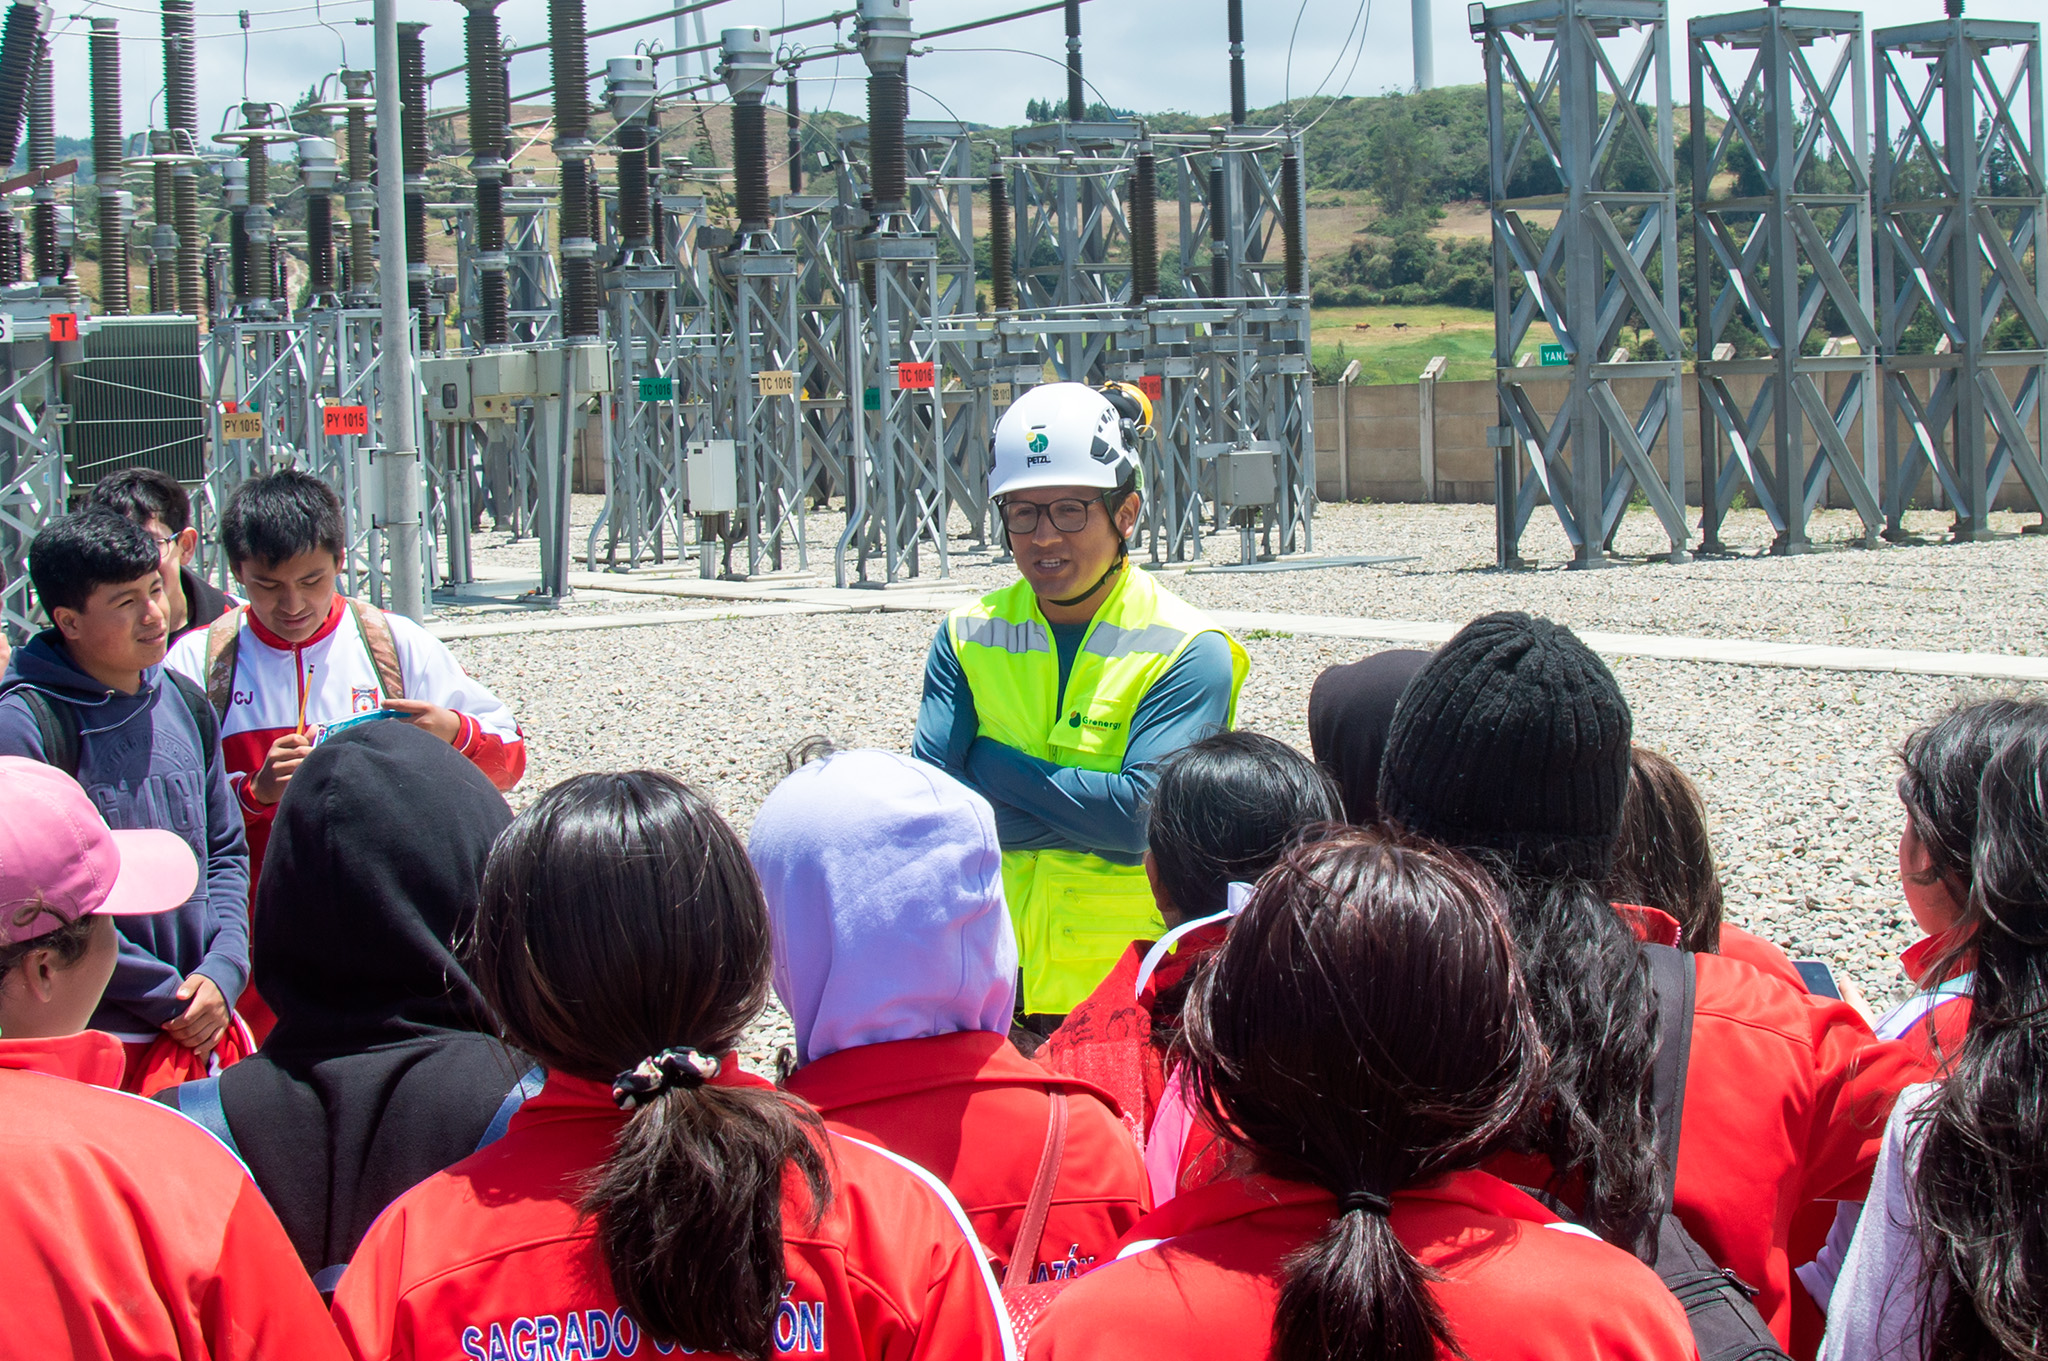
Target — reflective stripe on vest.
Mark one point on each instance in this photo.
(1075, 913)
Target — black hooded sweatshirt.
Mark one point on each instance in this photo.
(383, 1068)
(1350, 710)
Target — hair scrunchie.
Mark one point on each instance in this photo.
(681, 1066)
(1369, 1202)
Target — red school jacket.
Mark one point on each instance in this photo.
(1935, 1021)
(491, 1260)
(972, 1111)
(1513, 1288)
(1107, 1040)
(127, 1231)
(1786, 1098)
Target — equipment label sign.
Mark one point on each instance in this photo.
(1554, 355)
(1151, 385)
(916, 376)
(63, 325)
(999, 393)
(344, 420)
(776, 382)
(241, 425)
(871, 399)
(657, 387)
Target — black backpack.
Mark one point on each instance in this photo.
(1725, 1324)
(57, 722)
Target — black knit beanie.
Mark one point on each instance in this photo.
(1515, 739)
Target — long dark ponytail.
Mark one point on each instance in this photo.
(1980, 1191)
(620, 919)
(1364, 1029)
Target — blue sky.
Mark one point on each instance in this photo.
(1141, 54)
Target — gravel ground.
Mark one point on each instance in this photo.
(1938, 596)
(1796, 766)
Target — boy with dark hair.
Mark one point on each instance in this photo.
(155, 501)
(90, 696)
(300, 656)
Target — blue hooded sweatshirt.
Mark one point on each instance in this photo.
(141, 761)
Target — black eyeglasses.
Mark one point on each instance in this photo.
(1069, 514)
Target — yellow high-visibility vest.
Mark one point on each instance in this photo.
(1074, 913)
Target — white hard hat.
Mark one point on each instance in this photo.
(1061, 435)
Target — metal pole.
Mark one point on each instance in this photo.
(1077, 103)
(1425, 56)
(401, 455)
(1235, 16)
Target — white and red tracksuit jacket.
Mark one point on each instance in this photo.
(332, 676)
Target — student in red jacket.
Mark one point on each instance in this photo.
(895, 958)
(1225, 809)
(1944, 765)
(1364, 1035)
(126, 1231)
(1948, 1257)
(653, 1191)
(1665, 860)
(1513, 743)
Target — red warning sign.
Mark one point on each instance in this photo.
(1151, 386)
(63, 325)
(917, 377)
(345, 420)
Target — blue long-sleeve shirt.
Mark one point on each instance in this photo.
(1040, 805)
(140, 760)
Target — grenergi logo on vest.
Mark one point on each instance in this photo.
(594, 1335)
(1075, 720)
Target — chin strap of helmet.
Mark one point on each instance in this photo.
(1122, 552)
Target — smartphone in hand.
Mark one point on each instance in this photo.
(1820, 979)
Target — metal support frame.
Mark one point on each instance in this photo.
(804, 227)
(755, 314)
(1789, 88)
(285, 372)
(1958, 197)
(1564, 81)
(33, 485)
(902, 504)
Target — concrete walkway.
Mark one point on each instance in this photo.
(750, 600)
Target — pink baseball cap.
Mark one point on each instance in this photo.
(59, 860)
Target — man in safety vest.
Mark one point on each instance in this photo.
(1056, 697)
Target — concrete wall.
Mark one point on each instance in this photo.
(1385, 439)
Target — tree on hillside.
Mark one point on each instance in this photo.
(1401, 159)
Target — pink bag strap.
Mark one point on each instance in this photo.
(1024, 1256)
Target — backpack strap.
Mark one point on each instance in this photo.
(1024, 1256)
(56, 728)
(1675, 977)
(200, 706)
(376, 635)
(223, 637)
(199, 1101)
(523, 1091)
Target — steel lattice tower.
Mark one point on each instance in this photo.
(1958, 197)
(1789, 88)
(1564, 81)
